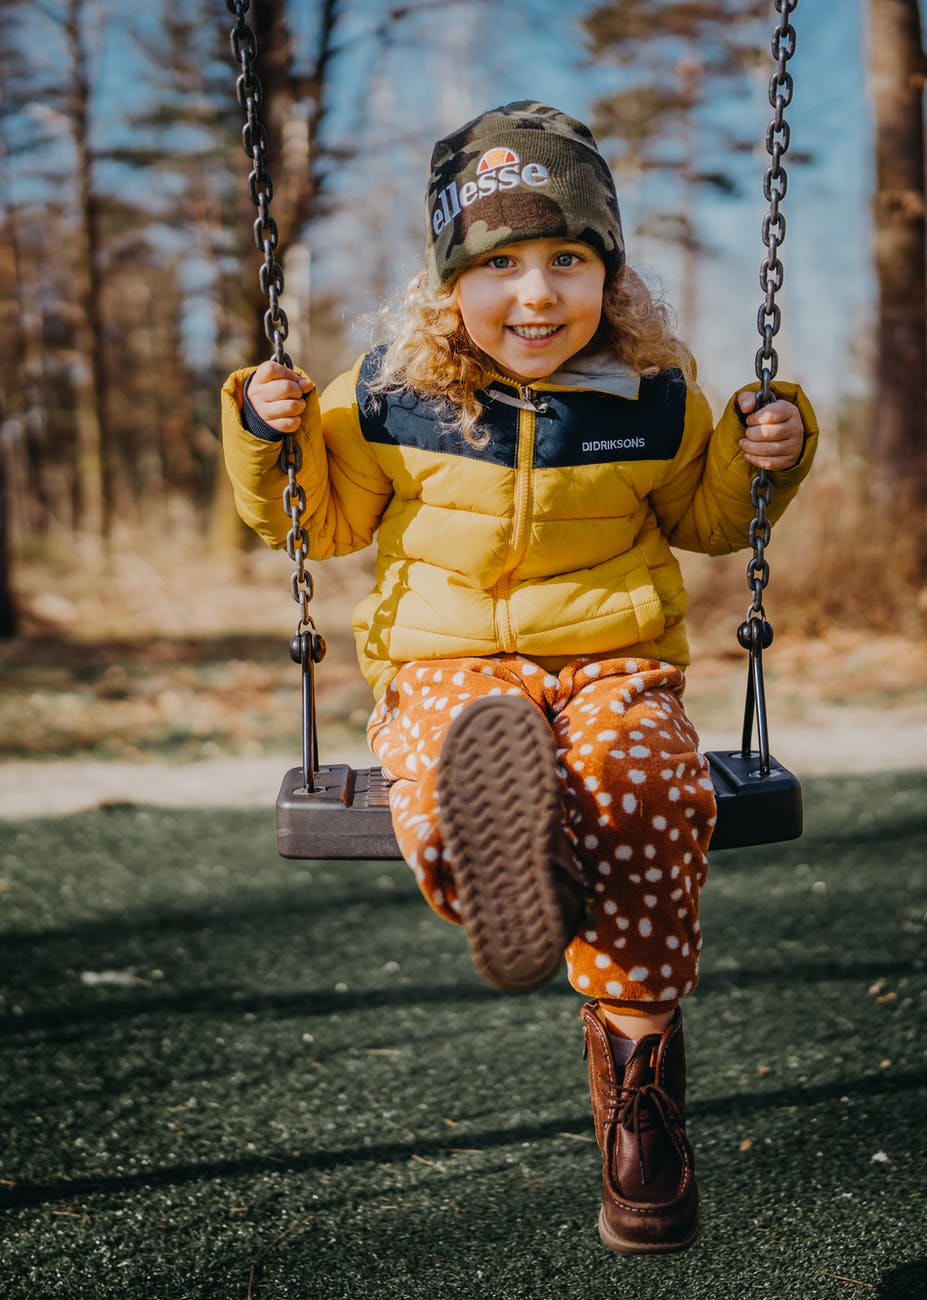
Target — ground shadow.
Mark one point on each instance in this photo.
(908, 1282)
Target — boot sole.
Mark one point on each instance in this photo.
(500, 816)
(627, 1246)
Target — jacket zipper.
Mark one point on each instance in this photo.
(532, 403)
(518, 538)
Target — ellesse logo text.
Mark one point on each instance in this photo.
(498, 169)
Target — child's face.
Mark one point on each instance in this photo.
(531, 306)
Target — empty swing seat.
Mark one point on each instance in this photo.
(347, 814)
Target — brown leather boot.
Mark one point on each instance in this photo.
(650, 1197)
(499, 810)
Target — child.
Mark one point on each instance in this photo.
(527, 449)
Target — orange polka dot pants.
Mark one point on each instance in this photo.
(638, 804)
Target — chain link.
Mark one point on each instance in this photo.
(250, 96)
(769, 316)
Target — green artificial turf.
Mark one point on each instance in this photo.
(226, 1074)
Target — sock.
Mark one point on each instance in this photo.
(621, 1046)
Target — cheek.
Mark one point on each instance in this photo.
(477, 316)
(591, 305)
(593, 315)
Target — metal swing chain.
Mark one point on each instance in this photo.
(769, 316)
(755, 633)
(307, 646)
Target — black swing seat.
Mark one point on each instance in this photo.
(347, 814)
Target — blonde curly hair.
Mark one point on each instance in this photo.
(430, 352)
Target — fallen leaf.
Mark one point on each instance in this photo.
(115, 978)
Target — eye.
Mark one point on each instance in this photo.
(500, 262)
(567, 259)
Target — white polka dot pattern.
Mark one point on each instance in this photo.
(638, 804)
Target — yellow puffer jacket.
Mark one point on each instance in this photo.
(553, 541)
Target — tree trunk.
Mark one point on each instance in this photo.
(897, 70)
(11, 333)
(8, 619)
(690, 75)
(90, 413)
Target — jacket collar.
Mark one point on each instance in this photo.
(601, 373)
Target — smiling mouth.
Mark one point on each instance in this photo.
(535, 331)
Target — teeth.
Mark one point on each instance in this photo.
(534, 331)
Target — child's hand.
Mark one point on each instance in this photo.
(775, 434)
(279, 395)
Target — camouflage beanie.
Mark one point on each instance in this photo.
(522, 171)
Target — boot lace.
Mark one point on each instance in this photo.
(637, 1106)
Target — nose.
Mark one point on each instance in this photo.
(536, 288)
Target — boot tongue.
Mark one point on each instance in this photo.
(641, 1067)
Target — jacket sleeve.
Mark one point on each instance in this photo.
(704, 503)
(345, 486)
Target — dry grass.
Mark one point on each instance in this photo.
(170, 651)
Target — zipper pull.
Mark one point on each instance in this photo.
(529, 395)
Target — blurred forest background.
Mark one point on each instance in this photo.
(129, 273)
